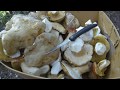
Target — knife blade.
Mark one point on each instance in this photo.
(73, 37)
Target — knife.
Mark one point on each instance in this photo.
(73, 37)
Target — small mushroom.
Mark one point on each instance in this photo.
(56, 16)
(73, 73)
(71, 23)
(56, 66)
(101, 67)
(59, 27)
(100, 48)
(35, 70)
(81, 58)
(48, 25)
(76, 46)
(100, 38)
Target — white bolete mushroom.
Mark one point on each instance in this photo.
(34, 70)
(81, 58)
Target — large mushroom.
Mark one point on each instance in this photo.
(36, 55)
(99, 55)
(24, 29)
(81, 58)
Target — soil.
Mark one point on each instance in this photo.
(7, 74)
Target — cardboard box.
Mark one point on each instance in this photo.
(106, 26)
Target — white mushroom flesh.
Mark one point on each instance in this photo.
(48, 25)
(76, 45)
(100, 48)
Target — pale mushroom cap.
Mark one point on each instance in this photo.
(81, 58)
(88, 22)
(24, 29)
(76, 45)
(100, 48)
(35, 55)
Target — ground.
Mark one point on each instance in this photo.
(7, 74)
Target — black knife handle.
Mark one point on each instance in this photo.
(82, 31)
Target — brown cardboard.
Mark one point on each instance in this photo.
(107, 27)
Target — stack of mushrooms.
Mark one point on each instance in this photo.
(27, 38)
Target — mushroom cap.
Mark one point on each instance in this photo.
(71, 23)
(81, 58)
(56, 17)
(100, 38)
(22, 33)
(35, 55)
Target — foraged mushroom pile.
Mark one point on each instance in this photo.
(27, 38)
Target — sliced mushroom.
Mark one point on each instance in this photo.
(35, 55)
(76, 46)
(73, 73)
(81, 58)
(56, 66)
(56, 16)
(59, 27)
(16, 63)
(48, 25)
(71, 23)
(100, 38)
(34, 70)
